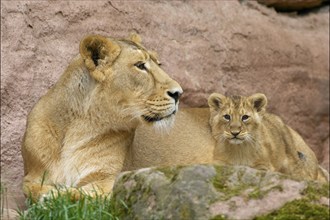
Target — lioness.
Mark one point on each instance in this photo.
(79, 133)
(247, 135)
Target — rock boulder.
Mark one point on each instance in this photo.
(216, 192)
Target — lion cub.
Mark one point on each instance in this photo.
(247, 135)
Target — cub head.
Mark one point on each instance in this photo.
(130, 85)
(235, 120)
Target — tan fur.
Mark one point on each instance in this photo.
(189, 141)
(79, 133)
(262, 140)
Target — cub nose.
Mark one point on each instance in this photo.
(175, 94)
(235, 133)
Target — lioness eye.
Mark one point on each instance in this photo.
(141, 66)
(226, 117)
(245, 117)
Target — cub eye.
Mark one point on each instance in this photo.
(226, 117)
(141, 66)
(245, 117)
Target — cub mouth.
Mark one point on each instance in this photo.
(157, 117)
(236, 138)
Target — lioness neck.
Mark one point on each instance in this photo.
(82, 100)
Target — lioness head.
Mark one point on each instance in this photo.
(130, 84)
(235, 119)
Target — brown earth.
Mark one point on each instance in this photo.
(207, 46)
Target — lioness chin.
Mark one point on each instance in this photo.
(247, 135)
(78, 135)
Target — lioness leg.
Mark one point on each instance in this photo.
(36, 183)
(322, 174)
(39, 153)
(97, 188)
(39, 192)
(36, 190)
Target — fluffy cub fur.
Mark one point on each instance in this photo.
(78, 135)
(247, 135)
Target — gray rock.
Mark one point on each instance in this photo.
(166, 193)
(219, 192)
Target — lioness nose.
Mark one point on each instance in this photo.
(175, 94)
(174, 90)
(235, 133)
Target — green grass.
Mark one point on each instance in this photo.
(298, 209)
(62, 207)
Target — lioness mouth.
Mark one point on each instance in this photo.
(157, 118)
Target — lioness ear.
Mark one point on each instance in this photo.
(97, 51)
(258, 101)
(215, 101)
(154, 56)
(135, 38)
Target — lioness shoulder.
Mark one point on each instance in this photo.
(247, 135)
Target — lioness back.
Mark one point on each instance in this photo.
(189, 141)
(247, 135)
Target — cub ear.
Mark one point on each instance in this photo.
(135, 38)
(97, 51)
(215, 101)
(258, 101)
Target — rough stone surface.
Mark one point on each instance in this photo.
(208, 46)
(9, 214)
(206, 192)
